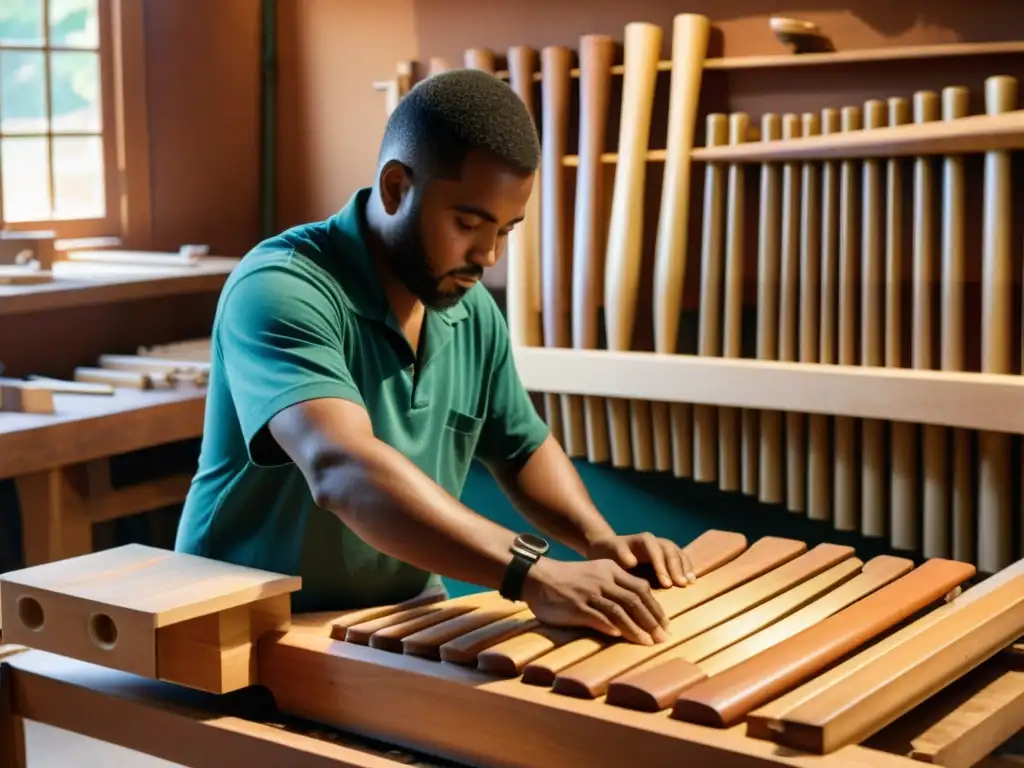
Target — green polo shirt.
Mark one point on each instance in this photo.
(303, 316)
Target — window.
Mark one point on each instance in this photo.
(59, 118)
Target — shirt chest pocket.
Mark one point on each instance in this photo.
(461, 435)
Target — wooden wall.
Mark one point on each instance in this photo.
(203, 93)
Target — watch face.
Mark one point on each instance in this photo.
(533, 543)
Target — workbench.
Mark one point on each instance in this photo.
(60, 462)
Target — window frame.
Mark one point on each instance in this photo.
(125, 131)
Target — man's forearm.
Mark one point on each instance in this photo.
(393, 506)
(548, 491)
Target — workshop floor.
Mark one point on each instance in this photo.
(48, 747)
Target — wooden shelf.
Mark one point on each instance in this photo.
(867, 55)
(894, 53)
(979, 133)
(983, 401)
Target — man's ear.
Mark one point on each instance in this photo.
(395, 185)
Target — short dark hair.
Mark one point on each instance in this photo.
(447, 115)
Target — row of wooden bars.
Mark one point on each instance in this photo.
(899, 262)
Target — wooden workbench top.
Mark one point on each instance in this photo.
(87, 283)
(87, 427)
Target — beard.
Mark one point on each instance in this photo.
(410, 264)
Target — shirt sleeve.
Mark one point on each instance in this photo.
(279, 337)
(512, 428)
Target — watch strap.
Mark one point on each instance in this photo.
(515, 576)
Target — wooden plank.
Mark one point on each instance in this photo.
(707, 553)
(763, 556)
(759, 719)
(655, 687)
(881, 690)
(963, 725)
(590, 677)
(986, 401)
(163, 720)
(978, 133)
(725, 699)
(474, 718)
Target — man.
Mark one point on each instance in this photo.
(358, 366)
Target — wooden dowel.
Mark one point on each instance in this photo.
(872, 321)
(709, 344)
(937, 534)
(768, 270)
(845, 482)
(729, 458)
(995, 521)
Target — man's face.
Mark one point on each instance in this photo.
(456, 229)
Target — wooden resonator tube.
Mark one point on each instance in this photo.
(845, 478)
(596, 55)
(995, 522)
(903, 445)
(871, 324)
(936, 522)
(905, 535)
(555, 251)
(523, 281)
(630, 421)
(672, 423)
(810, 317)
(819, 462)
(729, 436)
(769, 434)
(709, 342)
(794, 462)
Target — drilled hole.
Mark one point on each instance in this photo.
(103, 631)
(30, 613)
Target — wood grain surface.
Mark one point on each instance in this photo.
(728, 697)
(590, 678)
(707, 553)
(660, 687)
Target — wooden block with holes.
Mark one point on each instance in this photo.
(160, 614)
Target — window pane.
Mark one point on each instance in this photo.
(21, 22)
(75, 89)
(22, 92)
(74, 24)
(78, 177)
(26, 179)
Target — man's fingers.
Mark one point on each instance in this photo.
(674, 561)
(656, 557)
(598, 621)
(691, 573)
(642, 612)
(642, 590)
(618, 616)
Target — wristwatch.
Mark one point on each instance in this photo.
(526, 550)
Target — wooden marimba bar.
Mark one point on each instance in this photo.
(775, 644)
(862, 259)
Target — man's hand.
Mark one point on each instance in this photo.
(671, 565)
(597, 594)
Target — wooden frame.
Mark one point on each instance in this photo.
(156, 719)
(950, 398)
(124, 131)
